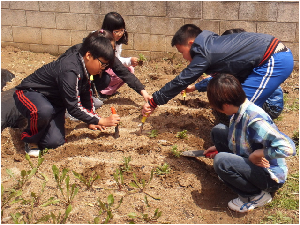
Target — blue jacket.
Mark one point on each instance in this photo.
(237, 54)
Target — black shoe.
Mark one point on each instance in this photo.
(32, 149)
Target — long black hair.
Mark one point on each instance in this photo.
(114, 21)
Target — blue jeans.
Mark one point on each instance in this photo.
(241, 175)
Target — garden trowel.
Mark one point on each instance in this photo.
(142, 124)
(198, 153)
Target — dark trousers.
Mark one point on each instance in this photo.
(46, 122)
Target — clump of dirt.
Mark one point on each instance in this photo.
(189, 193)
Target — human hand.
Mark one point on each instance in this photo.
(145, 95)
(110, 121)
(96, 127)
(134, 61)
(190, 88)
(147, 109)
(258, 159)
(211, 149)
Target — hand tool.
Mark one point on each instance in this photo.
(184, 95)
(197, 153)
(116, 134)
(142, 124)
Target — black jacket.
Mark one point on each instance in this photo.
(237, 54)
(65, 83)
(119, 69)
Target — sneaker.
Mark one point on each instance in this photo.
(67, 115)
(32, 149)
(259, 200)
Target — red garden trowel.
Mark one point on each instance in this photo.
(198, 153)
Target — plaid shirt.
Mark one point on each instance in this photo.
(251, 129)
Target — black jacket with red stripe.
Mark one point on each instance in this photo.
(237, 54)
(65, 83)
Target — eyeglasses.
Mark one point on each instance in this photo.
(103, 65)
(118, 32)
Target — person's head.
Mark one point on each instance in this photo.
(233, 31)
(224, 91)
(184, 38)
(97, 52)
(115, 23)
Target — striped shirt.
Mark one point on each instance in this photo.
(250, 129)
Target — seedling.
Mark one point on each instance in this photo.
(141, 59)
(118, 177)
(126, 166)
(87, 182)
(107, 207)
(70, 191)
(163, 170)
(142, 186)
(182, 134)
(153, 133)
(145, 217)
(175, 151)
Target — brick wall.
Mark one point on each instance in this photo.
(53, 26)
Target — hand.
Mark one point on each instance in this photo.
(96, 127)
(210, 149)
(145, 95)
(134, 61)
(258, 159)
(110, 121)
(190, 88)
(147, 110)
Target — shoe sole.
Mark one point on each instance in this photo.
(257, 206)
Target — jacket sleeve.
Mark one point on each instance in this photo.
(73, 98)
(121, 71)
(125, 61)
(188, 76)
(275, 144)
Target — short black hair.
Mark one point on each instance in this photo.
(114, 21)
(98, 46)
(225, 89)
(233, 31)
(185, 33)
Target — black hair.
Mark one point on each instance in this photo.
(98, 46)
(225, 89)
(114, 21)
(232, 31)
(185, 33)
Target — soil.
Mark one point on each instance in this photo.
(189, 193)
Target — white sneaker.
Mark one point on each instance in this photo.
(32, 149)
(259, 200)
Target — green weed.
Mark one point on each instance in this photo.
(87, 182)
(71, 190)
(175, 151)
(107, 207)
(182, 134)
(119, 178)
(145, 217)
(126, 166)
(278, 218)
(153, 133)
(141, 57)
(163, 170)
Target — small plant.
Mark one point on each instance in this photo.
(181, 134)
(126, 166)
(175, 151)
(141, 59)
(87, 182)
(107, 207)
(70, 191)
(146, 217)
(118, 177)
(142, 186)
(153, 133)
(61, 218)
(163, 170)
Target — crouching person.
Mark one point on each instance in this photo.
(252, 151)
(44, 96)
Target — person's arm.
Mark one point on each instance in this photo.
(188, 76)
(126, 61)
(275, 144)
(130, 79)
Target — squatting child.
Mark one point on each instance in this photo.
(252, 151)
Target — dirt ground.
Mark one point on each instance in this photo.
(189, 194)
